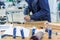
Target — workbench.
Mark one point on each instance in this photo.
(55, 28)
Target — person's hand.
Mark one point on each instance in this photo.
(46, 24)
(27, 18)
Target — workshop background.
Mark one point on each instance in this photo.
(14, 27)
(10, 12)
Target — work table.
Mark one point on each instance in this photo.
(55, 28)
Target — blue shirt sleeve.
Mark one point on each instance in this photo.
(28, 8)
(44, 5)
(26, 11)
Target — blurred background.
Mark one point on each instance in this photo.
(12, 10)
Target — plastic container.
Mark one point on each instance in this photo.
(49, 33)
(22, 33)
(14, 33)
(33, 31)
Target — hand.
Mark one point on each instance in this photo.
(46, 24)
(27, 18)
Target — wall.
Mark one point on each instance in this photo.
(53, 10)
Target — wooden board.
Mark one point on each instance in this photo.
(37, 24)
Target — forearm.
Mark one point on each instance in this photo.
(39, 14)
